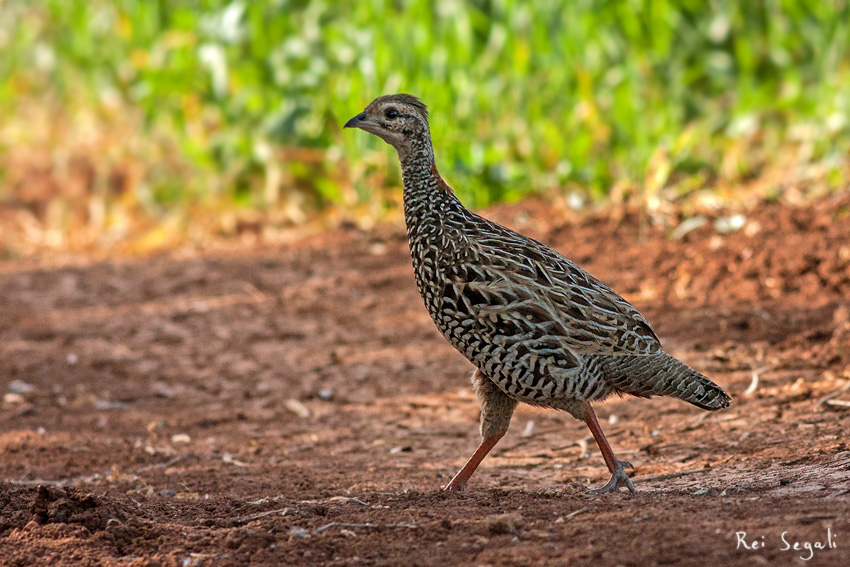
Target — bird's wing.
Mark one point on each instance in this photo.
(516, 287)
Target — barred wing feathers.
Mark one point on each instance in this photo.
(515, 289)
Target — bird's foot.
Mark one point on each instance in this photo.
(619, 479)
(455, 486)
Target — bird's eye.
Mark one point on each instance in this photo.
(391, 113)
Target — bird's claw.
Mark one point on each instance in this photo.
(619, 479)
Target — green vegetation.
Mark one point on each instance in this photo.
(242, 102)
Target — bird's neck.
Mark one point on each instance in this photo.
(431, 212)
(425, 192)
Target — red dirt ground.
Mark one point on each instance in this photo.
(296, 406)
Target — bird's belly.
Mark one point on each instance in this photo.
(536, 378)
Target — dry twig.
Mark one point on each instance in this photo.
(828, 399)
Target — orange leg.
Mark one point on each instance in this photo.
(459, 480)
(619, 478)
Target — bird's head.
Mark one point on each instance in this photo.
(401, 120)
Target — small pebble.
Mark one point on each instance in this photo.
(378, 249)
(729, 224)
(180, 438)
(297, 408)
(715, 243)
(575, 201)
(168, 493)
(299, 532)
(21, 387)
(11, 398)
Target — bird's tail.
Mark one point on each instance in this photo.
(662, 375)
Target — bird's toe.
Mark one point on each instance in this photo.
(619, 479)
(455, 487)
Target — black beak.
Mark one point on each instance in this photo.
(355, 121)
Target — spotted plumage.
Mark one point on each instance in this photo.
(537, 326)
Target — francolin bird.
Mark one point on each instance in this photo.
(538, 328)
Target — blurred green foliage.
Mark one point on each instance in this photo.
(249, 97)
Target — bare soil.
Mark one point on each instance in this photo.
(296, 406)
